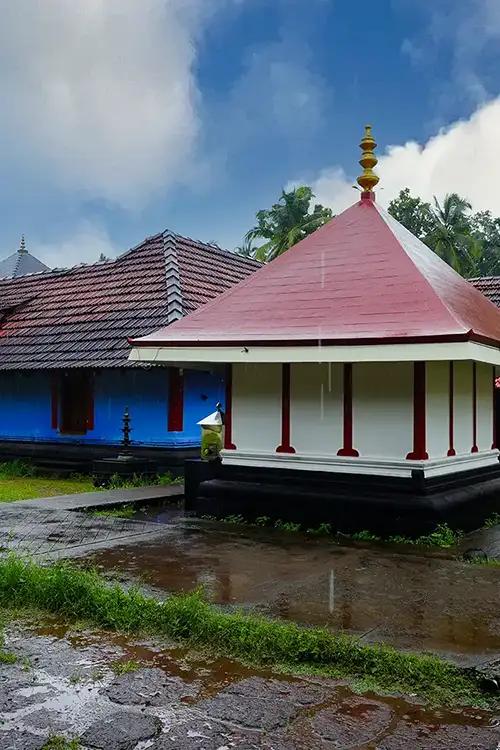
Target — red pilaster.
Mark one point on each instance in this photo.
(474, 448)
(451, 450)
(419, 452)
(90, 402)
(175, 400)
(347, 449)
(54, 402)
(285, 446)
(494, 411)
(228, 413)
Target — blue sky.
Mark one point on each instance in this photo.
(122, 118)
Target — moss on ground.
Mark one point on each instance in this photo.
(79, 594)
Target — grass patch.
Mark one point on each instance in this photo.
(117, 482)
(124, 667)
(61, 743)
(493, 520)
(443, 535)
(487, 563)
(126, 511)
(28, 488)
(83, 594)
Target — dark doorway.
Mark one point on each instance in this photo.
(76, 403)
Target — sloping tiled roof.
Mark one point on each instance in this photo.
(82, 316)
(361, 278)
(489, 286)
(19, 264)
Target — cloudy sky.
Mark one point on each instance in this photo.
(121, 118)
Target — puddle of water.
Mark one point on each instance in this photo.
(404, 723)
(418, 602)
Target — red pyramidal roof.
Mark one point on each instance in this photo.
(361, 278)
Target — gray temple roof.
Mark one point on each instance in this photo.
(21, 263)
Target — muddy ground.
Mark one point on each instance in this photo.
(64, 684)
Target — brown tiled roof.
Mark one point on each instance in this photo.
(83, 316)
(489, 286)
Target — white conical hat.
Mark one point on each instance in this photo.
(213, 420)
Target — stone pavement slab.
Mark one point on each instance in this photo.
(36, 531)
(103, 498)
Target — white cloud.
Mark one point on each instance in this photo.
(462, 158)
(84, 245)
(99, 95)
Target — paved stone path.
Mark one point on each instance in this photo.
(54, 526)
(103, 498)
(66, 685)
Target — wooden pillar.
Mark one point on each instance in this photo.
(451, 397)
(54, 401)
(175, 400)
(228, 412)
(474, 448)
(347, 449)
(419, 452)
(494, 396)
(285, 446)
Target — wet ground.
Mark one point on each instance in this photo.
(65, 684)
(424, 602)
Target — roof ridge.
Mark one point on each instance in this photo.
(175, 308)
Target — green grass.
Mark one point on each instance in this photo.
(493, 520)
(27, 488)
(126, 511)
(443, 535)
(61, 743)
(124, 667)
(79, 595)
(116, 482)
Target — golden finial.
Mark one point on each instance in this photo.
(368, 160)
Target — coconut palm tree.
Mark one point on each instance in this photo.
(451, 237)
(287, 222)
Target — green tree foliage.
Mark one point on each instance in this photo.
(412, 213)
(286, 223)
(468, 242)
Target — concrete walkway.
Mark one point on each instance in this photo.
(57, 526)
(103, 498)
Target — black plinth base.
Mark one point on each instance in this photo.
(124, 467)
(349, 502)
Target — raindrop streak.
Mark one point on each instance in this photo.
(331, 603)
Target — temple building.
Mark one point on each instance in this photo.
(65, 377)
(21, 263)
(359, 367)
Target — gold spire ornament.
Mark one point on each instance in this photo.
(368, 160)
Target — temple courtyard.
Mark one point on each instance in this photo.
(69, 685)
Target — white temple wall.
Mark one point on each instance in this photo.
(382, 409)
(438, 408)
(257, 407)
(382, 417)
(316, 408)
(484, 378)
(463, 407)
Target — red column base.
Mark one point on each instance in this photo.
(452, 452)
(348, 452)
(414, 456)
(285, 449)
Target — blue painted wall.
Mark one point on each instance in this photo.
(25, 406)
